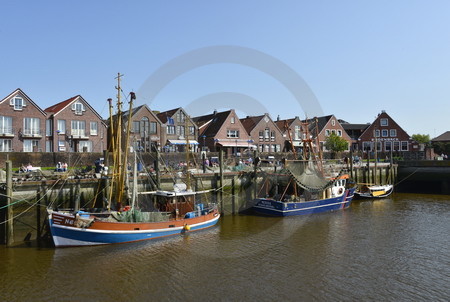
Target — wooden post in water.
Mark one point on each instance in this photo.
(351, 162)
(233, 197)
(157, 171)
(10, 213)
(221, 180)
(255, 170)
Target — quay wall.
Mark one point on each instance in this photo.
(425, 176)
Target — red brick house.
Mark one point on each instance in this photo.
(22, 124)
(389, 136)
(145, 129)
(292, 131)
(223, 130)
(74, 126)
(322, 127)
(264, 132)
(173, 136)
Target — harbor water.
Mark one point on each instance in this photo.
(395, 249)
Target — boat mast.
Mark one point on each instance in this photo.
(376, 157)
(118, 163)
(186, 133)
(286, 128)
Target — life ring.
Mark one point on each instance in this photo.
(340, 191)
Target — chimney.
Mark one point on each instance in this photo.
(215, 111)
(278, 118)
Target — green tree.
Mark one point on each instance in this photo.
(336, 143)
(422, 138)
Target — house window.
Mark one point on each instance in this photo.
(6, 125)
(94, 128)
(339, 132)
(170, 129)
(153, 128)
(384, 122)
(333, 122)
(233, 133)
(377, 133)
(388, 146)
(266, 134)
(333, 131)
(327, 132)
(297, 132)
(180, 131)
(261, 148)
(145, 127)
(18, 103)
(48, 128)
(267, 148)
(180, 116)
(261, 135)
(384, 133)
(61, 127)
(61, 145)
(30, 145)
(5, 145)
(136, 127)
(378, 146)
(232, 120)
(31, 126)
(85, 146)
(191, 130)
(272, 136)
(367, 146)
(404, 146)
(78, 107)
(393, 133)
(48, 146)
(396, 146)
(78, 128)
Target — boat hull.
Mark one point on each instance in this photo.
(382, 192)
(101, 232)
(279, 208)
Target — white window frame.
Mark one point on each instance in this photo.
(5, 145)
(61, 126)
(93, 127)
(393, 132)
(232, 120)
(78, 108)
(170, 129)
(6, 125)
(31, 126)
(28, 145)
(384, 133)
(384, 122)
(18, 103)
(232, 133)
(78, 128)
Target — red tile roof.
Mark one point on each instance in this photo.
(58, 107)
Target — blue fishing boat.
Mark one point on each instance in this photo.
(304, 187)
(340, 199)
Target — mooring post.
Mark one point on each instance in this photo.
(255, 170)
(233, 197)
(38, 216)
(10, 214)
(221, 180)
(204, 161)
(157, 171)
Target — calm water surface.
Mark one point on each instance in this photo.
(394, 249)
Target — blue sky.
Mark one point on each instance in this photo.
(357, 57)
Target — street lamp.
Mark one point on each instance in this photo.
(204, 144)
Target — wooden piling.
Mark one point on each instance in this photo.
(221, 180)
(10, 213)
(38, 216)
(233, 197)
